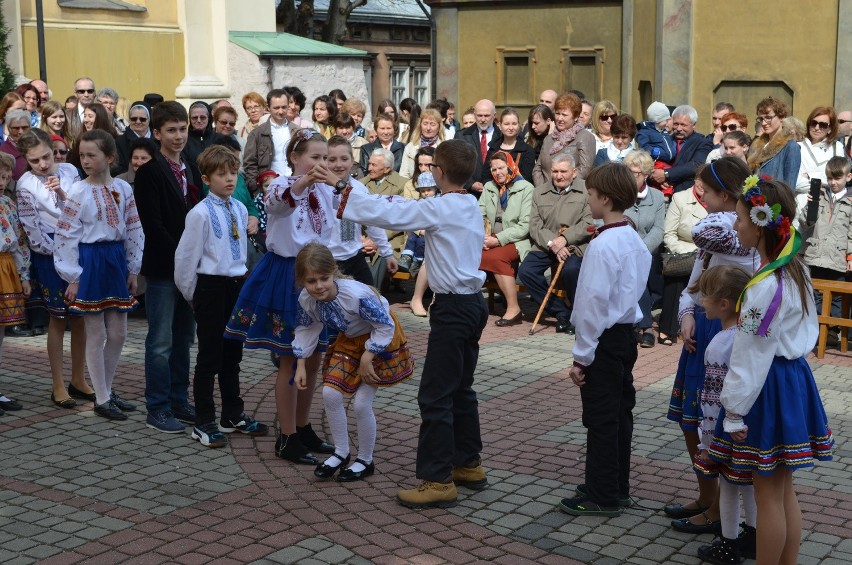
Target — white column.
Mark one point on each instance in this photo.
(205, 44)
(15, 56)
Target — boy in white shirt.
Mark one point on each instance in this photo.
(612, 279)
(210, 267)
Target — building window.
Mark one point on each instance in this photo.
(410, 82)
(582, 69)
(516, 76)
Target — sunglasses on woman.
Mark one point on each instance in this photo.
(607, 117)
(729, 127)
(819, 125)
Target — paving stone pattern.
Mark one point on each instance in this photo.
(75, 488)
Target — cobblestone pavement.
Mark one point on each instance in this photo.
(75, 488)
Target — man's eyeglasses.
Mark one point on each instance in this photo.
(138, 119)
(839, 121)
(85, 91)
(762, 119)
(729, 127)
(819, 125)
(607, 117)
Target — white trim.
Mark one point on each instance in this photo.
(105, 26)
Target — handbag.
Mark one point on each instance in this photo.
(678, 264)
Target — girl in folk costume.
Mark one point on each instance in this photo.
(370, 351)
(772, 422)
(98, 252)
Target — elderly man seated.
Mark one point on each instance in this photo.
(383, 180)
(559, 231)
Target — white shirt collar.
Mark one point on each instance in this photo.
(643, 194)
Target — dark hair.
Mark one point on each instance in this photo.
(299, 142)
(336, 95)
(578, 93)
(407, 104)
(330, 106)
(836, 168)
(169, 111)
(458, 160)
(296, 95)
(145, 144)
(624, 124)
(343, 120)
(102, 120)
(616, 182)
(779, 192)
(33, 138)
(724, 106)
(777, 106)
(339, 140)
(22, 88)
(739, 136)
(441, 105)
(384, 103)
(217, 158)
(276, 93)
(533, 139)
(725, 175)
(414, 122)
(315, 258)
(102, 139)
(425, 150)
(226, 141)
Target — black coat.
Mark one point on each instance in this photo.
(162, 211)
(122, 145)
(692, 153)
(397, 148)
(472, 136)
(197, 142)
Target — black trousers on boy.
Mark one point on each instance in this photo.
(608, 400)
(449, 432)
(212, 303)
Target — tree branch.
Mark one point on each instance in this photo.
(352, 5)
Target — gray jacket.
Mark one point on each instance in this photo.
(650, 217)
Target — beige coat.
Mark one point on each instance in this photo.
(582, 149)
(552, 211)
(684, 212)
(392, 185)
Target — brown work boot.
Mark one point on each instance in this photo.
(471, 477)
(429, 495)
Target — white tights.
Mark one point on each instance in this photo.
(105, 336)
(362, 404)
(729, 507)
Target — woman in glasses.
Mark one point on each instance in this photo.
(774, 153)
(568, 136)
(257, 111)
(200, 130)
(225, 124)
(820, 145)
(603, 116)
(138, 128)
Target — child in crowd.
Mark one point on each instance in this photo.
(370, 351)
(720, 289)
(772, 420)
(299, 209)
(612, 279)
(415, 246)
(14, 267)
(654, 136)
(344, 126)
(736, 144)
(41, 195)
(448, 451)
(828, 247)
(210, 265)
(98, 252)
(357, 109)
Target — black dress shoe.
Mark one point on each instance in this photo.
(513, 321)
(647, 340)
(326, 471)
(39, 330)
(67, 403)
(10, 405)
(18, 331)
(564, 326)
(708, 527)
(349, 476)
(291, 448)
(677, 510)
(74, 392)
(312, 441)
(110, 411)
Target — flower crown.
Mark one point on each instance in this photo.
(761, 213)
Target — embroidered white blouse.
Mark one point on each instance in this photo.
(346, 241)
(716, 359)
(790, 333)
(95, 213)
(39, 208)
(715, 234)
(294, 220)
(208, 245)
(12, 239)
(356, 310)
(612, 279)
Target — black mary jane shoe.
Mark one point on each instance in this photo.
(677, 510)
(74, 392)
(291, 448)
(513, 321)
(350, 476)
(326, 471)
(708, 527)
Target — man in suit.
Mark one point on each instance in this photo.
(383, 180)
(384, 126)
(266, 143)
(692, 150)
(166, 188)
(480, 135)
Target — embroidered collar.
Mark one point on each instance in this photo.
(625, 222)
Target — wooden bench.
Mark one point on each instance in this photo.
(829, 290)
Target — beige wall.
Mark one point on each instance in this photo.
(644, 57)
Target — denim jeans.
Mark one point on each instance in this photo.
(171, 330)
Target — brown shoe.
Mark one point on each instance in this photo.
(471, 477)
(429, 495)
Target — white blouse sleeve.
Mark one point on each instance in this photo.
(189, 251)
(30, 218)
(308, 328)
(69, 233)
(134, 241)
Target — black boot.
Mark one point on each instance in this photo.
(291, 448)
(722, 551)
(312, 441)
(748, 541)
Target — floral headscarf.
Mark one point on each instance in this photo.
(513, 175)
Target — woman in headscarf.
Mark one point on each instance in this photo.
(139, 127)
(505, 204)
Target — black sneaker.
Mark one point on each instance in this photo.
(9, 405)
(582, 506)
(184, 412)
(123, 405)
(209, 435)
(624, 502)
(243, 424)
(110, 411)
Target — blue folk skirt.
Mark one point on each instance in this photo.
(48, 288)
(103, 284)
(685, 403)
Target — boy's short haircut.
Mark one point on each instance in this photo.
(616, 182)
(227, 141)
(276, 93)
(837, 168)
(354, 106)
(6, 161)
(343, 120)
(169, 111)
(339, 141)
(457, 159)
(217, 158)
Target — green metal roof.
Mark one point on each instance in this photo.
(271, 44)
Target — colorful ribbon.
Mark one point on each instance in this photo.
(788, 252)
